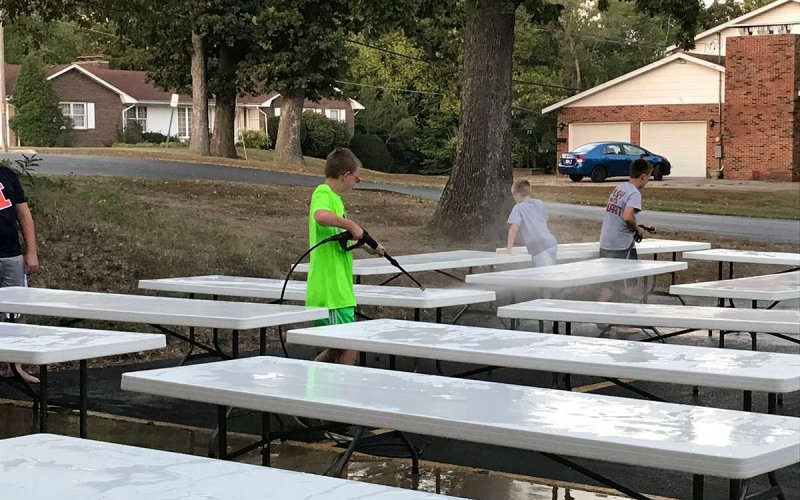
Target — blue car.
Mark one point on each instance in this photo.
(600, 160)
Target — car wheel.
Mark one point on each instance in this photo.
(575, 177)
(599, 174)
(657, 175)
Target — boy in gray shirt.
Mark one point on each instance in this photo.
(620, 229)
(619, 224)
(529, 217)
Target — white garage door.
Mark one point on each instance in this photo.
(683, 143)
(581, 133)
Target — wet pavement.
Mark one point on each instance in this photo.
(183, 426)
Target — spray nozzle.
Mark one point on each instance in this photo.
(345, 236)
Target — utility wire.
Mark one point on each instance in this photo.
(600, 38)
(414, 58)
(411, 91)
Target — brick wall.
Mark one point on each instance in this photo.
(762, 132)
(796, 159)
(637, 114)
(73, 86)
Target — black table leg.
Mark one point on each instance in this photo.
(222, 432)
(84, 396)
(43, 398)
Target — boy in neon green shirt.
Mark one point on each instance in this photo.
(330, 274)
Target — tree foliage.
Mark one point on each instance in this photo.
(298, 49)
(37, 120)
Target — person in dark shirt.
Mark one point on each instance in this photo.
(16, 260)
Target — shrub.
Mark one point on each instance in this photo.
(322, 135)
(156, 138)
(132, 133)
(372, 152)
(255, 139)
(38, 120)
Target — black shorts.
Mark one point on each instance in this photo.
(629, 253)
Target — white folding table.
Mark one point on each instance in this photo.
(773, 288)
(159, 311)
(366, 295)
(784, 324)
(701, 441)
(439, 262)
(46, 466)
(583, 273)
(731, 256)
(615, 359)
(44, 345)
(571, 252)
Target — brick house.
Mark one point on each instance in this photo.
(732, 102)
(101, 100)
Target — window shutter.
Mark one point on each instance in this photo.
(90, 115)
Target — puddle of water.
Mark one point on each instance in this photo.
(315, 459)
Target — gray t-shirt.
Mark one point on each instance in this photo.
(615, 234)
(531, 217)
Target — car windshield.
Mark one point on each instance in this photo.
(585, 148)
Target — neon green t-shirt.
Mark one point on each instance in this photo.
(330, 274)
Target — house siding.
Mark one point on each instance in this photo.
(761, 117)
(635, 115)
(74, 86)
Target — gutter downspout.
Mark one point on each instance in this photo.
(266, 125)
(123, 115)
(719, 103)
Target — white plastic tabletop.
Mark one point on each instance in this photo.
(732, 369)
(773, 287)
(571, 252)
(152, 310)
(748, 256)
(366, 295)
(725, 443)
(671, 316)
(586, 272)
(42, 345)
(438, 261)
(46, 466)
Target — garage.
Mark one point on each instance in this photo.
(683, 143)
(581, 133)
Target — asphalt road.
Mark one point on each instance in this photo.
(773, 230)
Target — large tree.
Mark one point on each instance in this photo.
(476, 198)
(299, 50)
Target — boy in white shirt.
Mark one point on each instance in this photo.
(529, 217)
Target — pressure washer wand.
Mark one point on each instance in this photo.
(368, 240)
(396, 264)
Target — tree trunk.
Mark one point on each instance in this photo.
(476, 199)
(287, 145)
(223, 143)
(198, 140)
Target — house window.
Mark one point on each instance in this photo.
(336, 114)
(184, 122)
(312, 110)
(253, 122)
(137, 114)
(75, 111)
(277, 111)
(633, 150)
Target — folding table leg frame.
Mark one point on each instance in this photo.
(267, 436)
(738, 487)
(41, 397)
